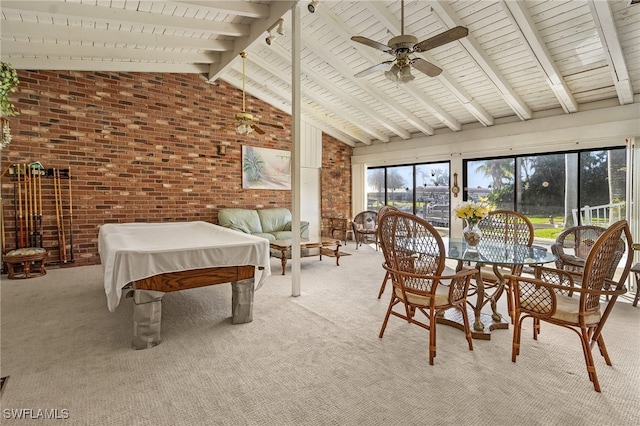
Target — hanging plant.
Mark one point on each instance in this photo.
(8, 84)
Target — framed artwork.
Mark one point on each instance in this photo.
(265, 168)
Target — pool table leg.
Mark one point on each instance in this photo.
(242, 301)
(147, 313)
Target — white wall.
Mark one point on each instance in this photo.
(311, 163)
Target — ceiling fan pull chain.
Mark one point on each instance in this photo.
(243, 55)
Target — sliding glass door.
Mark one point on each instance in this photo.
(556, 191)
(420, 189)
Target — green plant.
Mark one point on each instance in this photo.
(8, 84)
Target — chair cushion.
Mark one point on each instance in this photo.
(271, 237)
(572, 260)
(567, 309)
(26, 251)
(442, 296)
(282, 235)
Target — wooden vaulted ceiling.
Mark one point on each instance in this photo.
(521, 60)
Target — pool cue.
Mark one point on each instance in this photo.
(15, 214)
(35, 208)
(25, 198)
(64, 238)
(2, 225)
(27, 208)
(55, 192)
(3, 236)
(32, 210)
(70, 218)
(40, 230)
(34, 204)
(21, 230)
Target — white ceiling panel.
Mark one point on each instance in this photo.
(513, 63)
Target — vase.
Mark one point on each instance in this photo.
(472, 235)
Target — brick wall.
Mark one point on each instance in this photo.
(336, 181)
(142, 147)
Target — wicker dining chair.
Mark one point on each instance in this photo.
(415, 259)
(546, 298)
(365, 227)
(383, 210)
(504, 226)
(573, 245)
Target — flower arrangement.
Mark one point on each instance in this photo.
(472, 211)
(8, 84)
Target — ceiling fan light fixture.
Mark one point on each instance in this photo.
(405, 75)
(244, 128)
(392, 74)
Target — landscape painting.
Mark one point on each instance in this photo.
(265, 168)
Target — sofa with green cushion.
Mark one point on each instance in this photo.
(272, 224)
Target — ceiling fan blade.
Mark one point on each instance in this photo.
(371, 43)
(275, 126)
(373, 69)
(443, 38)
(257, 129)
(426, 67)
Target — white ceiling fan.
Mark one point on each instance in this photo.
(403, 46)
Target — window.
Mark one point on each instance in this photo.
(493, 180)
(420, 189)
(555, 191)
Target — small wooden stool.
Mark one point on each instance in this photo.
(636, 270)
(25, 257)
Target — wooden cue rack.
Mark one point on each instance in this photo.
(37, 210)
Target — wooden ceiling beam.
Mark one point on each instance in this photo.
(449, 19)
(521, 20)
(605, 23)
(36, 31)
(389, 20)
(307, 93)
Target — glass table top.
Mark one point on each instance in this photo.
(491, 252)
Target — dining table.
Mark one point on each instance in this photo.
(504, 258)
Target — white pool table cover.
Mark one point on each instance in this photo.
(133, 251)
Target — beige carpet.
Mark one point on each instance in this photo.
(310, 360)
